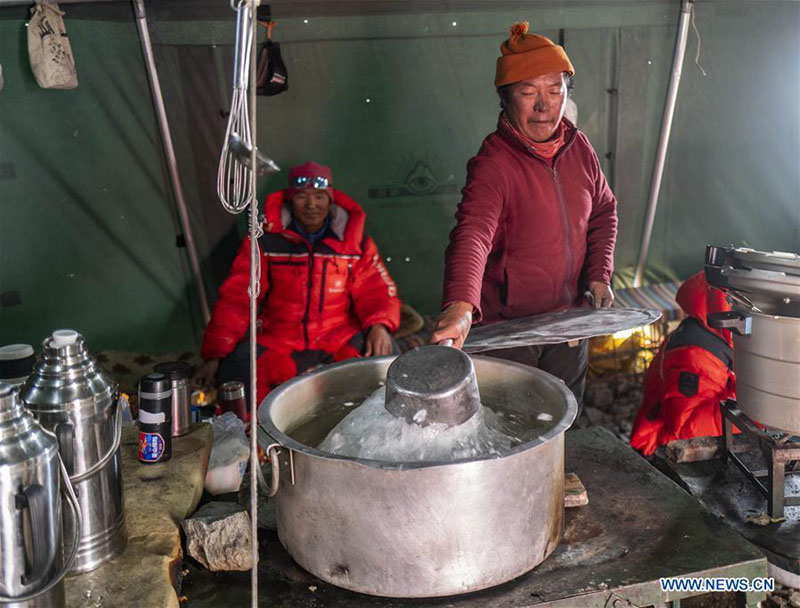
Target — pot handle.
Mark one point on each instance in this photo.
(72, 501)
(272, 453)
(33, 499)
(100, 464)
(738, 322)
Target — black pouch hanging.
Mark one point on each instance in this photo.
(271, 75)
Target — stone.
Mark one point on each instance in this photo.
(599, 395)
(218, 536)
(778, 601)
(794, 599)
(575, 494)
(623, 387)
(763, 519)
(596, 417)
(635, 396)
(157, 496)
(697, 449)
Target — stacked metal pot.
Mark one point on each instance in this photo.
(765, 289)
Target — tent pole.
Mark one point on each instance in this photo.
(169, 152)
(687, 6)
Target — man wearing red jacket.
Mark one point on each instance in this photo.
(537, 223)
(690, 375)
(326, 295)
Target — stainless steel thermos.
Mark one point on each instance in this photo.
(77, 401)
(178, 374)
(30, 510)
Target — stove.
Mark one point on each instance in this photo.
(781, 451)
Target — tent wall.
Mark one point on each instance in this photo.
(396, 103)
(87, 229)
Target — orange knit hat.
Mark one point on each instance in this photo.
(527, 56)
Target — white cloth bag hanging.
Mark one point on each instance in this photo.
(49, 50)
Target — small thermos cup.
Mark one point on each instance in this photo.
(178, 372)
(232, 399)
(155, 419)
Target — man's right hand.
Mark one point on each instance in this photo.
(206, 374)
(453, 323)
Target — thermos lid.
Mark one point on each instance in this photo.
(12, 352)
(174, 370)
(231, 390)
(16, 361)
(64, 337)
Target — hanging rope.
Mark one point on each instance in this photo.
(699, 42)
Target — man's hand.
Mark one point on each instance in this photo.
(378, 342)
(602, 294)
(206, 374)
(453, 324)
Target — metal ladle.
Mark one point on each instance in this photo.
(432, 384)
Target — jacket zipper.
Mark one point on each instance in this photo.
(308, 293)
(565, 225)
(322, 284)
(562, 205)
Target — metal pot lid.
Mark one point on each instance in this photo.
(556, 327)
(784, 261)
(775, 261)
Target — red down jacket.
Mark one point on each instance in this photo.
(530, 234)
(313, 298)
(689, 376)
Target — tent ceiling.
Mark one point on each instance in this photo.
(198, 10)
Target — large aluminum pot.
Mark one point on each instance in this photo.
(417, 529)
(767, 363)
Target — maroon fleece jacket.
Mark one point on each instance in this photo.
(530, 234)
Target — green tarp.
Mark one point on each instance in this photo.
(396, 104)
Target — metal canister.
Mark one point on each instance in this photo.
(71, 396)
(16, 363)
(178, 374)
(30, 509)
(155, 419)
(232, 399)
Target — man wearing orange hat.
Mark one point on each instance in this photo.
(537, 223)
(324, 295)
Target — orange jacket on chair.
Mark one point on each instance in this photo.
(690, 375)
